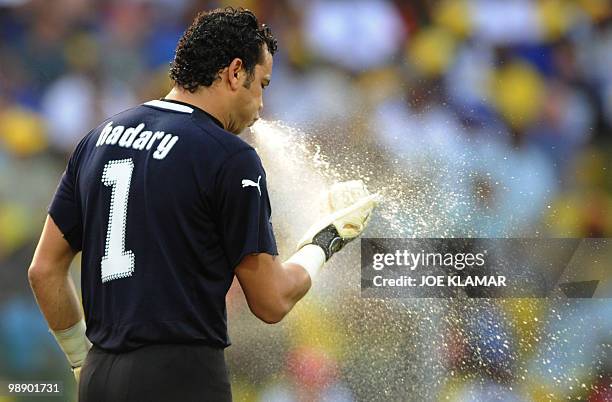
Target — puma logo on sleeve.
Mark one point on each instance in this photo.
(251, 183)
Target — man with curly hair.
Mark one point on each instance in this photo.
(167, 204)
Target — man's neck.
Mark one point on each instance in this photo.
(206, 103)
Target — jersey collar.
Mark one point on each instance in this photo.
(189, 105)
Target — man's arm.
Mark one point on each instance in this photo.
(50, 279)
(272, 288)
(54, 290)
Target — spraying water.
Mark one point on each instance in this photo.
(418, 201)
(401, 349)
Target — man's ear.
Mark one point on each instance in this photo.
(236, 74)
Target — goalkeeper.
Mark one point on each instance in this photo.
(167, 205)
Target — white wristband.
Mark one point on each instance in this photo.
(74, 343)
(310, 257)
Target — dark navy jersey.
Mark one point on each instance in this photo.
(164, 204)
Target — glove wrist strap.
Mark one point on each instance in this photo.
(329, 240)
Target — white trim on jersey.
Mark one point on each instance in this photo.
(169, 106)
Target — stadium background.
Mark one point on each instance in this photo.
(524, 85)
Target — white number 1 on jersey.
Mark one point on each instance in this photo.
(117, 262)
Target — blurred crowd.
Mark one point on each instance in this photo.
(508, 104)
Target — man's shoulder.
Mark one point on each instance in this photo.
(224, 142)
(198, 127)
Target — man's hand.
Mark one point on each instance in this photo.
(77, 374)
(75, 345)
(350, 205)
(345, 193)
(272, 288)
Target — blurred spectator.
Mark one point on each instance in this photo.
(312, 376)
(355, 35)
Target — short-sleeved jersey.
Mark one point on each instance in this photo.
(164, 204)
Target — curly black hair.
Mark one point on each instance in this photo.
(213, 40)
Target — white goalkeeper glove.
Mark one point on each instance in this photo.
(350, 206)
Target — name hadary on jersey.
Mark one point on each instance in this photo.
(135, 138)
